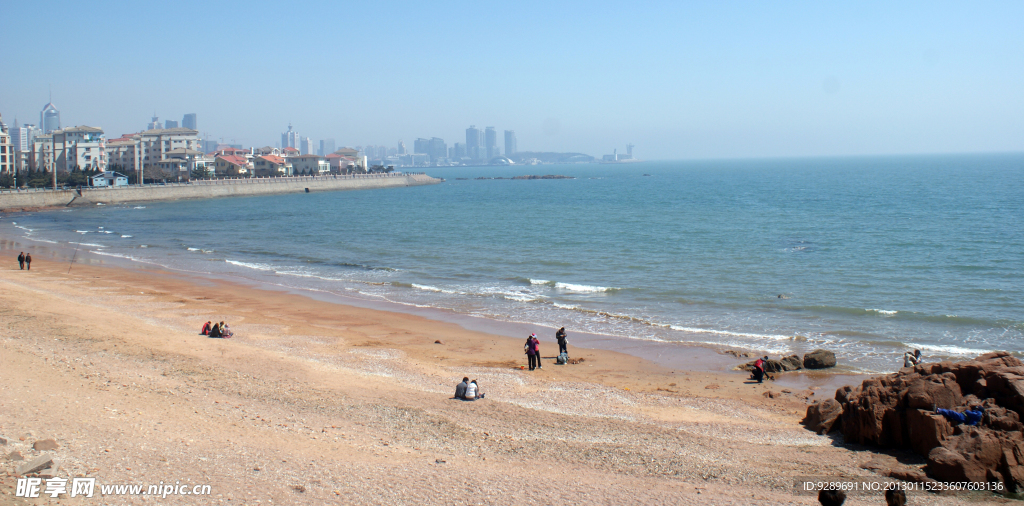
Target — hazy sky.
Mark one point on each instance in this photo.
(678, 79)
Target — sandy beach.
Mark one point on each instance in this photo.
(314, 402)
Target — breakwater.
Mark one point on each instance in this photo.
(39, 198)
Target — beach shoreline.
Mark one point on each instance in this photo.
(348, 403)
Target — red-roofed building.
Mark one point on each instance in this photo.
(340, 164)
(232, 166)
(271, 165)
(290, 151)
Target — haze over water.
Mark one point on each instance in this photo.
(871, 255)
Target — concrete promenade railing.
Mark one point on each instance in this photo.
(34, 198)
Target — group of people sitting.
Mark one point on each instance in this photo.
(468, 390)
(216, 330)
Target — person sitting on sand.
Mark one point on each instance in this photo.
(225, 331)
(460, 389)
(476, 387)
(911, 359)
(215, 330)
(206, 329)
(470, 391)
(970, 417)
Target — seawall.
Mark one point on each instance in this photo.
(38, 198)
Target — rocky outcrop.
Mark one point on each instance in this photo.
(822, 416)
(898, 411)
(819, 359)
(792, 363)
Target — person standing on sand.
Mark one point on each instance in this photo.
(532, 349)
(560, 337)
(28, 261)
(21, 260)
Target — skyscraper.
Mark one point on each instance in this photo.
(437, 149)
(189, 121)
(510, 142)
(306, 146)
(491, 139)
(401, 148)
(155, 124)
(327, 147)
(474, 138)
(169, 123)
(49, 118)
(290, 139)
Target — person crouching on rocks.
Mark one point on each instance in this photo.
(970, 417)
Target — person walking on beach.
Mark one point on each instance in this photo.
(21, 260)
(28, 261)
(560, 337)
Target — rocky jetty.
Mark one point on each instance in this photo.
(549, 176)
(898, 411)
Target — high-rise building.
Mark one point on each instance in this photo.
(437, 149)
(154, 125)
(290, 139)
(189, 121)
(474, 142)
(22, 136)
(421, 146)
(510, 142)
(49, 118)
(458, 151)
(326, 147)
(306, 146)
(491, 142)
(401, 148)
(169, 123)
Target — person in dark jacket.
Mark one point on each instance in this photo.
(28, 261)
(21, 260)
(215, 331)
(560, 337)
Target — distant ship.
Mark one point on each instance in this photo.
(615, 157)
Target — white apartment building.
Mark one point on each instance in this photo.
(309, 165)
(81, 147)
(153, 145)
(7, 159)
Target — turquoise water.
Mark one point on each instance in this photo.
(871, 255)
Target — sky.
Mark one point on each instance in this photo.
(680, 80)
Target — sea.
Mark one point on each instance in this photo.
(865, 256)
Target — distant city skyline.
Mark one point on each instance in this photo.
(680, 80)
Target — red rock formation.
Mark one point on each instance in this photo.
(897, 411)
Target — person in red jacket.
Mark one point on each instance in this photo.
(206, 329)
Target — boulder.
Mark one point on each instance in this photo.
(897, 411)
(791, 363)
(773, 366)
(822, 416)
(819, 359)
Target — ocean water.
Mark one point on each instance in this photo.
(871, 256)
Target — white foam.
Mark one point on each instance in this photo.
(883, 311)
(569, 287)
(24, 228)
(42, 240)
(776, 337)
(538, 281)
(564, 306)
(89, 244)
(258, 267)
(193, 249)
(435, 289)
(949, 349)
(125, 236)
(82, 231)
(118, 255)
(139, 207)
